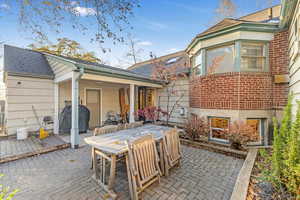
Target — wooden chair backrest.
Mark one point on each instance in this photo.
(172, 145)
(143, 160)
(105, 130)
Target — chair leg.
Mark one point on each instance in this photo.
(129, 177)
(92, 156)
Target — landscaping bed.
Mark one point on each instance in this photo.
(259, 188)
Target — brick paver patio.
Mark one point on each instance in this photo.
(66, 174)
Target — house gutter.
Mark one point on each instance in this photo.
(115, 75)
(29, 75)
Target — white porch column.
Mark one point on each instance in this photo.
(75, 96)
(56, 109)
(131, 110)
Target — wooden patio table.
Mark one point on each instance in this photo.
(110, 146)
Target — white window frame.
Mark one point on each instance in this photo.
(261, 131)
(211, 129)
(264, 56)
(198, 68)
(221, 46)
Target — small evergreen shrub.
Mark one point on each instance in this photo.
(282, 166)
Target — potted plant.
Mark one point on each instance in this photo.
(195, 127)
(239, 134)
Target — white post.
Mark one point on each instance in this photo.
(56, 109)
(131, 110)
(75, 95)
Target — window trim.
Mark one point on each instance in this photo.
(262, 130)
(199, 66)
(232, 43)
(265, 56)
(210, 130)
(237, 55)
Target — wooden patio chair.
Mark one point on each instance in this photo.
(101, 131)
(142, 165)
(171, 150)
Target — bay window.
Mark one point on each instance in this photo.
(238, 56)
(253, 57)
(198, 63)
(220, 59)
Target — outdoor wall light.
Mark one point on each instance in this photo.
(182, 111)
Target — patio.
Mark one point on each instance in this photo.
(12, 147)
(66, 174)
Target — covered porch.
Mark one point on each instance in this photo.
(100, 88)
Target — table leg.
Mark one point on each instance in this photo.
(95, 163)
(112, 175)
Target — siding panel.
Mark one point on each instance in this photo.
(22, 94)
(295, 57)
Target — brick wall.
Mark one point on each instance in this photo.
(245, 90)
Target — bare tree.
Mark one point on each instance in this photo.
(101, 19)
(134, 51)
(169, 76)
(225, 9)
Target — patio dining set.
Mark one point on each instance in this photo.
(149, 152)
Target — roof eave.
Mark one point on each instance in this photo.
(255, 27)
(30, 75)
(117, 75)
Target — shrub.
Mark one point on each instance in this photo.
(5, 193)
(284, 161)
(240, 133)
(195, 127)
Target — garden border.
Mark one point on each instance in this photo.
(240, 189)
(210, 147)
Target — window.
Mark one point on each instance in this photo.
(253, 57)
(218, 128)
(220, 60)
(198, 63)
(257, 126)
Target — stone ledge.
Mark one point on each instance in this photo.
(215, 148)
(240, 189)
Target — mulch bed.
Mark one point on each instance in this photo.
(262, 190)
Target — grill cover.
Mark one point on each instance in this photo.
(65, 119)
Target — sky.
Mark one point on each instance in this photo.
(159, 26)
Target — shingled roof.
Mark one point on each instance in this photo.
(179, 60)
(26, 62)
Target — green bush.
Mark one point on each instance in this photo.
(282, 167)
(5, 193)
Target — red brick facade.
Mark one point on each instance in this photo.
(245, 90)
